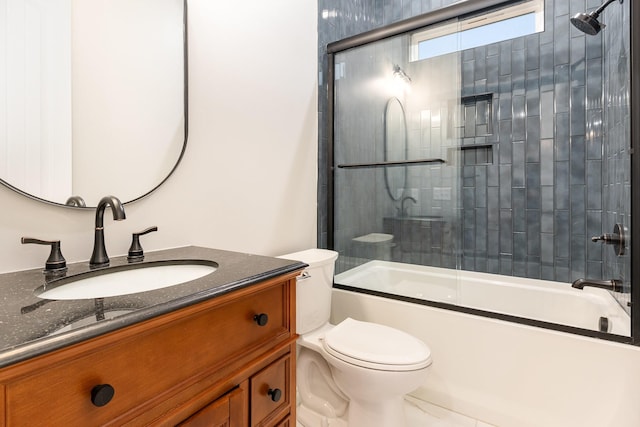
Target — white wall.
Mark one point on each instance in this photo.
(512, 375)
(248, 179)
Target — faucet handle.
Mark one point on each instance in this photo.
(136, 254)
(618, 239)
(55, 262)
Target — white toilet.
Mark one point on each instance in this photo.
(354, 371)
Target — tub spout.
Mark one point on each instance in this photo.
(614, 285)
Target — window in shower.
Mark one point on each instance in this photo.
(473, 176)
(518, 20)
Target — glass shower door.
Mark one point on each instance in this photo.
(396, 169)
(484, 172)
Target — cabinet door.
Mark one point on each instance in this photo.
(222, 412)
(285, 423)
(215, 414)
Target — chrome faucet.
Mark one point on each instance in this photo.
(403, 210)
(614, 285)
(99, 257)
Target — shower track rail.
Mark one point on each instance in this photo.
(391, 163)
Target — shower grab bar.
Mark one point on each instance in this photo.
(392, 163)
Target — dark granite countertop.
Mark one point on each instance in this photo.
(30, 326)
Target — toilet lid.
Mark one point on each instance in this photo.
(375, 346)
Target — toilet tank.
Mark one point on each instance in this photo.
(313, 289)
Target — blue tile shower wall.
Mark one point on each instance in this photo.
(552, 184)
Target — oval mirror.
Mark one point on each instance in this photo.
(92, 97)
(395, 148)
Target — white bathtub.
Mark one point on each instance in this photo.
(541, 300)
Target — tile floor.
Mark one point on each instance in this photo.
(424, 414)
(419, 414)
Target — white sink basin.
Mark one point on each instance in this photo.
(105, 283)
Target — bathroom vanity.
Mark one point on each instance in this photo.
(218, 351)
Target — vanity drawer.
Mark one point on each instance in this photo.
(270, 392)
(143, 369)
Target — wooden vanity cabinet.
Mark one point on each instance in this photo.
(228, 361)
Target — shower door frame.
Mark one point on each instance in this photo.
(635, 171)
(455, 11)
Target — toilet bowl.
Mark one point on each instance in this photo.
(354, 371)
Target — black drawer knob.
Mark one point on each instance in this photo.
(275, 394)
(261, 319)
(102, 394)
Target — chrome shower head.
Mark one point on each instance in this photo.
(588, 22)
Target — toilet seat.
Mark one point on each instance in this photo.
(375, 346)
